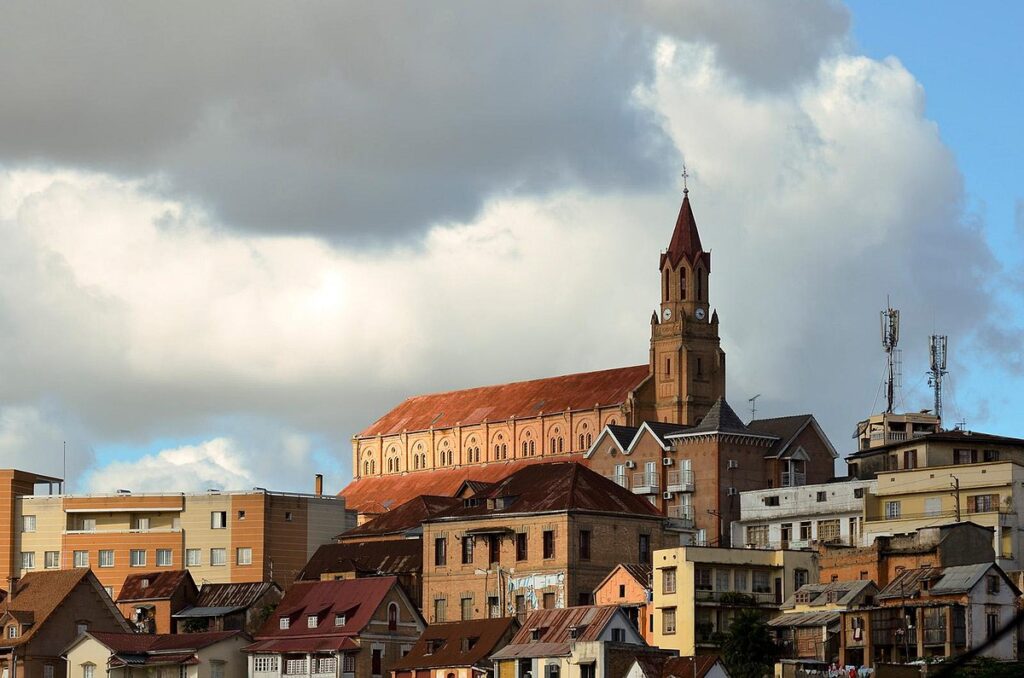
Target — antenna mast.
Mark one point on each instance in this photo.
(890, 337)
(937, 349)
(753, 406)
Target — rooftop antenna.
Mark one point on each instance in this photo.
(753, 406)
(937, 349)
(685, 175)
(890, 337)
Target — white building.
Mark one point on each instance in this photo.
(794, 517)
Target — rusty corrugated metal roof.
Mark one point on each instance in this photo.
(241, 594)
(389, 557)
(501, 402)
(553, 629)
(461, 643)
(154, 585)
(402, 518)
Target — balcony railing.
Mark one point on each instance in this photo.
(620, 479)
(736, 597)
(793, 478)
(646, 482)
(680, 481)
(683, 515)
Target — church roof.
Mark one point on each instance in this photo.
(524, 399)
(685, 243)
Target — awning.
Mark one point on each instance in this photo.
(478, 531)
(205, 612)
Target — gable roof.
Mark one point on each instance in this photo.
(845, 593)
(524, 399)
(154, 585)
(404, 518)
(379, 494)
(554, 628)
(141, 643)
(356, 599)
(38, 594)
(641, 573)
(690, 667)
(442, 645)
(391, 556)
(943, 580)
(552, 487)
(786, 429)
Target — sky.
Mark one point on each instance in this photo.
(235, 235)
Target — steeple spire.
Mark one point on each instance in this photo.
(685, 241)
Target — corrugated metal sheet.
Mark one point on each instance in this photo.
(805, 619)
(554, 628)
(391, 557)
(238, 595)
(520, 399)
(153, 585)
(441, 645)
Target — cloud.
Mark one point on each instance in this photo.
(34, 438)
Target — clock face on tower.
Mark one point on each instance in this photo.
(667, 313)
(699, 313)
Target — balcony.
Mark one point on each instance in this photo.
(646, 482)
(681, 516)
(794, 478)
(680, 481)
(741, 599)
(620, 479)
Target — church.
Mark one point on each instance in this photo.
(431, 444)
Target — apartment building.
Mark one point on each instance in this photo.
(219, 536)
(544, 537)
(990, 494)
(799, 517)
(886, 428)
(941, 448)
(698, 590)
(807, 631)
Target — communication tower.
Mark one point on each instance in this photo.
(890, 338)
(937, 349)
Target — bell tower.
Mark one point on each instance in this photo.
(687, 362)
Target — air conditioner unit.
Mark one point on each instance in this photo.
(732, 491)
(631, 464)
(733, 463)
(667, 495)
(666, 461)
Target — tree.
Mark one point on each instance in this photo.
(749, 650)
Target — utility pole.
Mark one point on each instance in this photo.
(956, 494)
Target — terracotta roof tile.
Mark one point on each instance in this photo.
(502, 402)
(154, 585)
(462, 643)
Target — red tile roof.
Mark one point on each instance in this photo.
(443, 645)
(379, 494)
(522, 399)
(154, 585)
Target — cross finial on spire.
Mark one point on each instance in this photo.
(685, 175)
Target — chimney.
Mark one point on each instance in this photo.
(318, 484)
(12, 583)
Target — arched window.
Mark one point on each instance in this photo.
(560, 444)
(504, 451)
(552, 446)
(682, 284)
(699, 273)
(590, 441)
(525, 448)
(533, 449)
(392, 616)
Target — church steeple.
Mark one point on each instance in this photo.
(685, 243)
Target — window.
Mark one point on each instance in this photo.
(440, 609)
(822, 496)
(467, 550)
(668, 580)
(982, 503)
(216, 669)
(494, 549)
(786, 530)
(740, 581)
(241, 515)
(644, 548)
(892, 510)
(618, 636)
(51, 560)
(348, 663)
(493, 607)
(88, 670)
(549, 544)
(28, 523)
(991, 624)
(193, 557)
(805, 531)
(218, 520)
(800, 578)
(858, 493)
(910, 459)
(48, 671)
(965, 456)
(284, 623)
(81, 558)
(549, 601)
(88, 524)
(992, 583)
(392, 616)
(340, 619)
(521, 546)
(142, 524)
(218, 556)
(622, 590)
(761, 582)
(584, 544)
(440, 551)
(828, 530)
(466, 607)
(138, 558)
(991, 455)
(28, 560)
(12, 632)
(700, 367)
(757, 536)
(164, 557)
(267, 663)
(771, 500)
(107, 558)
(722, 580)
(312, 621)
(287, 516)
(701, 538)
(668, 620)
(702, 579)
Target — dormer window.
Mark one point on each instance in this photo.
(468, 644)
(12, 631)
(339, 620)
(285, 623)
(535, 634)
(144, 583)
(312, 621)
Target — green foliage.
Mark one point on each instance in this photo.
(983, 667)
(196, 625)
(749, 650)
(737, 598)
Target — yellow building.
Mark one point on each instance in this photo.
(698, 590)
(988, 494)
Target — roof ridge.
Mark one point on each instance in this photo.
(523, 381)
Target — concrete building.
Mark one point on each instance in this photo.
(44, 612)
(886, 557)
(698, 590)
(544, 537)
(990, 494)
(801, 517)
(460, 649)
(630, 587)
(944, 448)
(886, 428)
(123, 655)
(256, 535)
(343, 629)
(933, 612)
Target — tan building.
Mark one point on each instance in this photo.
(987, 494)
(945, 448)
(886, 428)
(44, 612)
(629, 587)
(218, 536)
(545, 537)
(123, 655)
(557, 417)
(698, 590)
